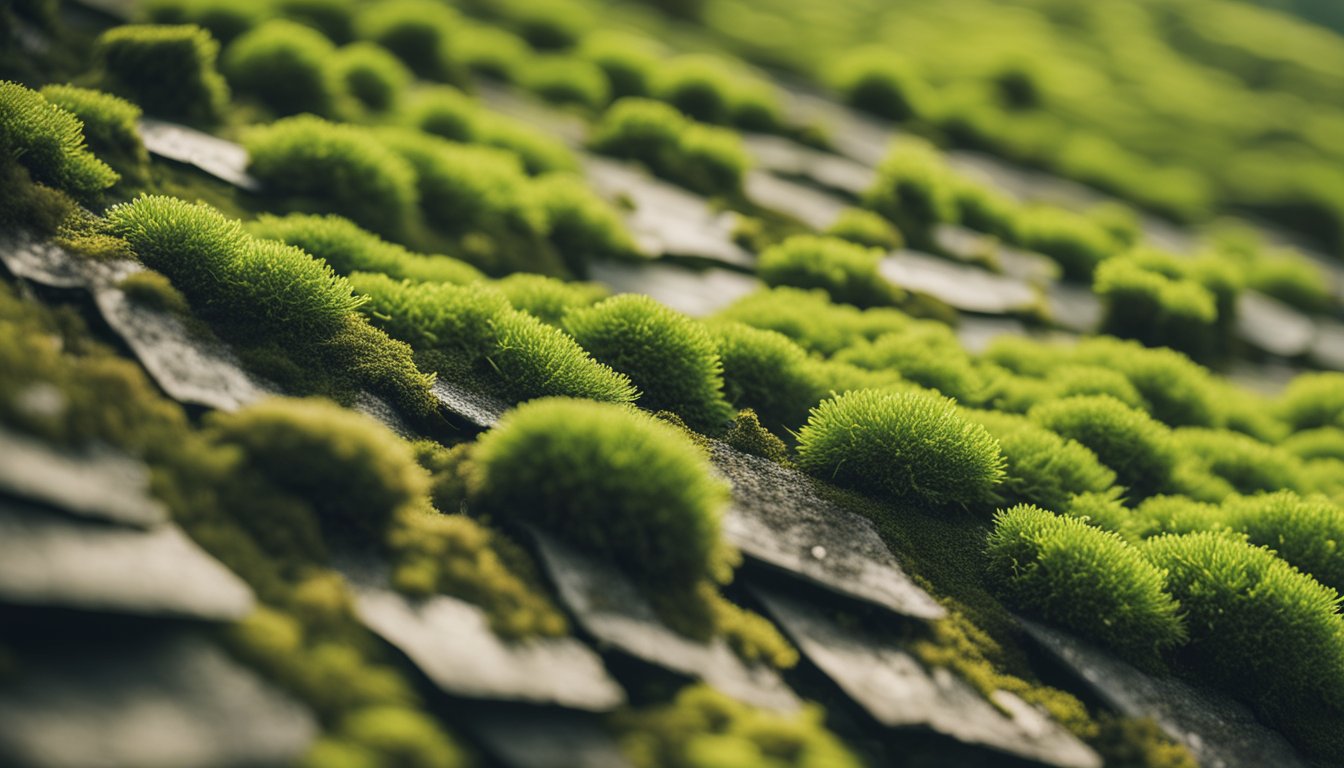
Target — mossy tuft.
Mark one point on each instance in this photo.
(169, 70)
(848, 272)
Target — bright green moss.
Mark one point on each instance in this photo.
(714, 90)
(192, 244)
(765, 371)
(1075, 242)
(224, 19)
(1178, 391)
(876, 81)
(1041, 467)
(567, 80)
(356, 471)
(984, 208)
(1073, 380)
(151, 289)
(371, 74)
(848, 272)
(671, 358)
(447, 112)
(168, 70)
(492, 52)
(348, 248)
(535, 359)
(811, 320)
(1246, 411)
(1157, 310)
(1140, 743)
(1083, 578)
(110, 125)
(1139, 449)
(289, 292)
(1307, 532)
(1105, 511)
(1176, 515)
(699, 157)
(422, 33)
(610, 479)
(341, 165)
(1319, 443)
(581, 225)
(1247, 464)
(48, 142)
(925, 353)
(629, 61)
(451, 319)
(863, 227)
(1258, 626)
(333, 18)
(1313, 400)
(443, 111)
(753, 638)
(547, 298)
(749, 436)
(901, 445)
(914, 190)
(400, 736)
(287, 67)
(1292, 279)
(703, 728)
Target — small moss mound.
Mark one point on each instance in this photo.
(926, 353)
(446, 112)
(715, 90)
(767, 372)
(391, 735)
(1313, 400)
(1319, 443)
(901, 444)
(48, 141)
(914, 190)
(568, 81)
(1041, 467)
(1307, 532)
(702, 158)
(1083, 578)
(151, 289)
(846, 271)
(1248, 465)
(1138, 448)
(1157, 309)
(169, 70)
(812, 321)
(422, 33)
(1074, 241)
(878, 82)
(371, 74)
(628, 60)
(110, 125)
(287, 67)
(671, 358)
(547, 298)
(581, 225)
(1257, 625)
(863, 227)
(610, 479)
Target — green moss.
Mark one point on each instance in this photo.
(751, 636)
(1041, 467)
(371, 74)
(1074, 241)
(153, 290)
(447, 112)
(1247, 464)
(863, 227)
(168, 70)
(287, 67)
(1178, 391)
(703, 728)
(748, 436)
(581, 225)
(671, 358)
(985, 209)
(629, 61)
(567, 80)
(401, 736)
(1313, 400)
(1319, 443)
(340, 165)
(448, 482)
(1139, 449)
(48, 142)
(110, 125)
(811, 320)
(1071, 380)
(348, 248)
(333, 18)
(492, 52)
(610, 479)
(879, 82)
(192, 244)
(1085, 579)
(547, 298)
(1174, 514)
(702, 158)
(765, 371)
(925, 353)
(1306, 532)
(914, 190)
(711, 89)
(422, 33)
(901, 444)
(1258, 626)
(1154, 308)
(224, 19)
(1130, 743)
(848, 272)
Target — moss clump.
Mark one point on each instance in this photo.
(863, 227)
(1307, 532)
(48, 142)
(702, 158)
(338, 164)
(914, 190)
(110, 125)
(1174, 514)
(1071, 380)
(371, 74)
(1141, 743)
(629, 61)
(168, 70)
(765, 371)
(355, 471)
(1074, 241)
(901, 445)
(1319, 443)
(875, 81)
(153, 290)
(848, 272)
(1041, 467)
(748, 436)
(1257, 625)
(396, 736)
(715, 90)
(811, 320)
(1292, 279)
(1313, 400)
(492, 52)
(703, 728)
(333, 18)
(985, 209)
(547, 298)
(223, 19)
(581, 225)
(348, 248)
(1178, 391)
(1155, 308)
(1138, 448)
(670, 357)
(567, 80)
(1083, 578)
(1247, 464)
(610, 479)
(421, 33)
(448, 113)
(925, 353)
(287, 67)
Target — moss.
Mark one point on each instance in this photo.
(356, 471)
(1178, 391)
(1068, 381)
(914, 190)
(347, 248)
(169, 70)
(1139, 449)
(581, 225)
(153, 290)
(435, 553)
(702, 728)
(702, 158)
(1313, 400)
(765, 371)
(811, 320)
(287, 67)
(1319, 443)
(901, 444)
(1174, 514)
(1247, 464)
(401, 736)
(567, 80)
(985, 209)
(863, 227)
(747, 435)
(1041, 467)
(110, 126)
(848, 272)
(1139, 743)
(338, 164)
(448, 482)
(493, 52)
(925, 353)
(1292, 279)
(671, 358)
(715, 90)
(609, 479)
(422, 33)
(371, 74)
(1075, 242)
(223, 19)
(333, 18)
(629, 61)
(547, 298)
(48, 142)
(1306, 532)
(1258, 626)
(1085, 579)
(447, 112)
(1157, 310)
(878, 82)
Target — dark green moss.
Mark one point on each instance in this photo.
(371, 74)
(153, 290)
(169, 70)
(878, 82)
(287, 67)
(422, 33)
(765, 371)
(567, 81)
